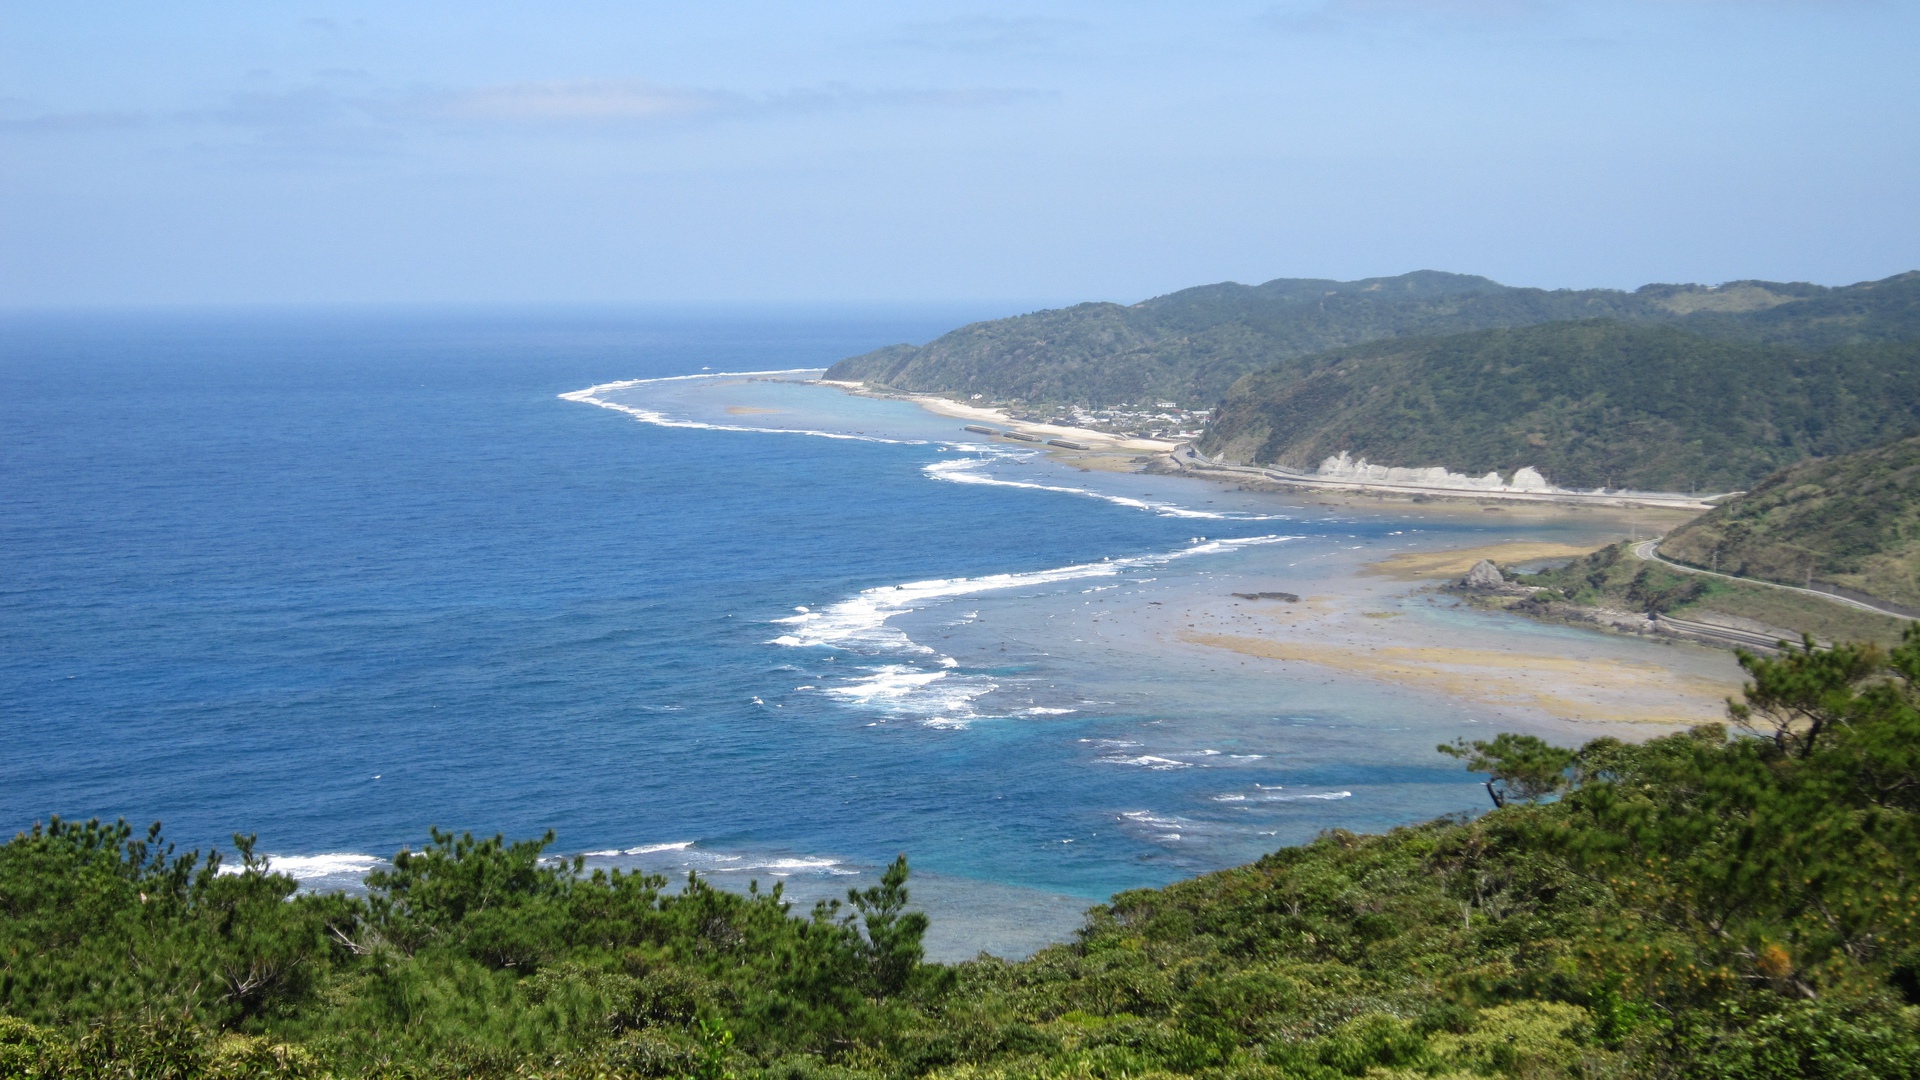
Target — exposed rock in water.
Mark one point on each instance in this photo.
(1484, 576)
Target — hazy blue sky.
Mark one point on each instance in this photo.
(478, 151)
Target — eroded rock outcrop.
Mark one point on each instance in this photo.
(1342, 466)
(1484, 577)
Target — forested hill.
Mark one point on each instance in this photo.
(1190, 346)
(1852, 520)
(1598, 403)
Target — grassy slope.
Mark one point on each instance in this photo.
(1855, 517)
(1870, 311)
(1589, 404)
(1613, 578)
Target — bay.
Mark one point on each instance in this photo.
(336, 577)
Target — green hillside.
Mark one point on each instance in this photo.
(1190, 346)
(1885, 310)
(1591, 404)
(1612, 579)
(1852, 520)
(1697, 906)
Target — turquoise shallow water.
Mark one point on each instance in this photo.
(337, 578)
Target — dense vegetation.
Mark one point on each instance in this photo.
(1189, 346)
(1700, 905)
(1852, 520)
(1667, 387)
(1589, 404)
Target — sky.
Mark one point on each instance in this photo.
(270, 152)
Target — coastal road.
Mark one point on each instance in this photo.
(1650, 551)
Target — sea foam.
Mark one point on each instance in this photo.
(861, 620)
(968, 471)
(327, 872)
(944, 695)
(594, 395)
(681, 856)
(1269, 797)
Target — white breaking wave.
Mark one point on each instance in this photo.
(1148, 817)
(302, 867)
(319, 873)
(965, 471)
(644, 849)
(942, 696)
(684, 855)
(1327, 796)
(778, 867)
(592, 396)
(1147, 761)
(1150, 820)
(861, 620)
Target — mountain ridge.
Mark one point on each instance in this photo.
(1190, 345)
(1676, 387)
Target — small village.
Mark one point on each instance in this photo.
(1158, 420)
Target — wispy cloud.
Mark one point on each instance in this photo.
(61, 123)
(988, 33)
(581, 99)
(316, 121)
(1330, 15)
(837, 97)
(604, 101)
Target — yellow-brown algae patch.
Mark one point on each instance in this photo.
(1590, 689)
(1416, 565)
(748, 410)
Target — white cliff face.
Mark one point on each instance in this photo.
(1527, 478)
(1344, 467)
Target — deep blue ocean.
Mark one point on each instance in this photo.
(335, 578)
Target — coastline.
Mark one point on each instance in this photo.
(1380, 620)
(986, 414)
(1184, 457)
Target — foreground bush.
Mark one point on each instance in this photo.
(1712, 904)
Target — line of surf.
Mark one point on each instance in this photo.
(941, 696)
(593, 395)
(966, 471)
(959, 471)
(862, 619)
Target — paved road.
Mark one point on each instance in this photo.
(1649, 550)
